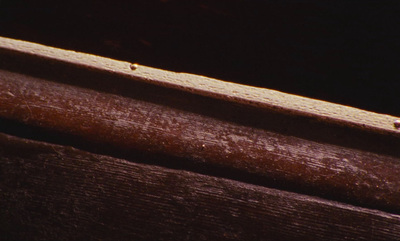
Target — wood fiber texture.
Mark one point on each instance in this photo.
(92, 149)
(259, 97)
(127, 124)
(49, 191)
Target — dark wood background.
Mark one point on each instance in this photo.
(341, 51)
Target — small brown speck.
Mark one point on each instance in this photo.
(134, 66)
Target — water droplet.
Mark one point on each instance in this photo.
(134, 66)
(396, 124)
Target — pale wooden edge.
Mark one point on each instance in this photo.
(255, 96)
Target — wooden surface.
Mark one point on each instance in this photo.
(255, 163)
(133, 125)
(237, 93)
(56, 192)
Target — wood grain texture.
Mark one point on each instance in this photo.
(259, 97)
(144, 133)
(127, 124)
(50, 192)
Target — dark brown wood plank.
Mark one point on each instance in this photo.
(49, 191)
(127, 124)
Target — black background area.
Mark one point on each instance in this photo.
(341, 51)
